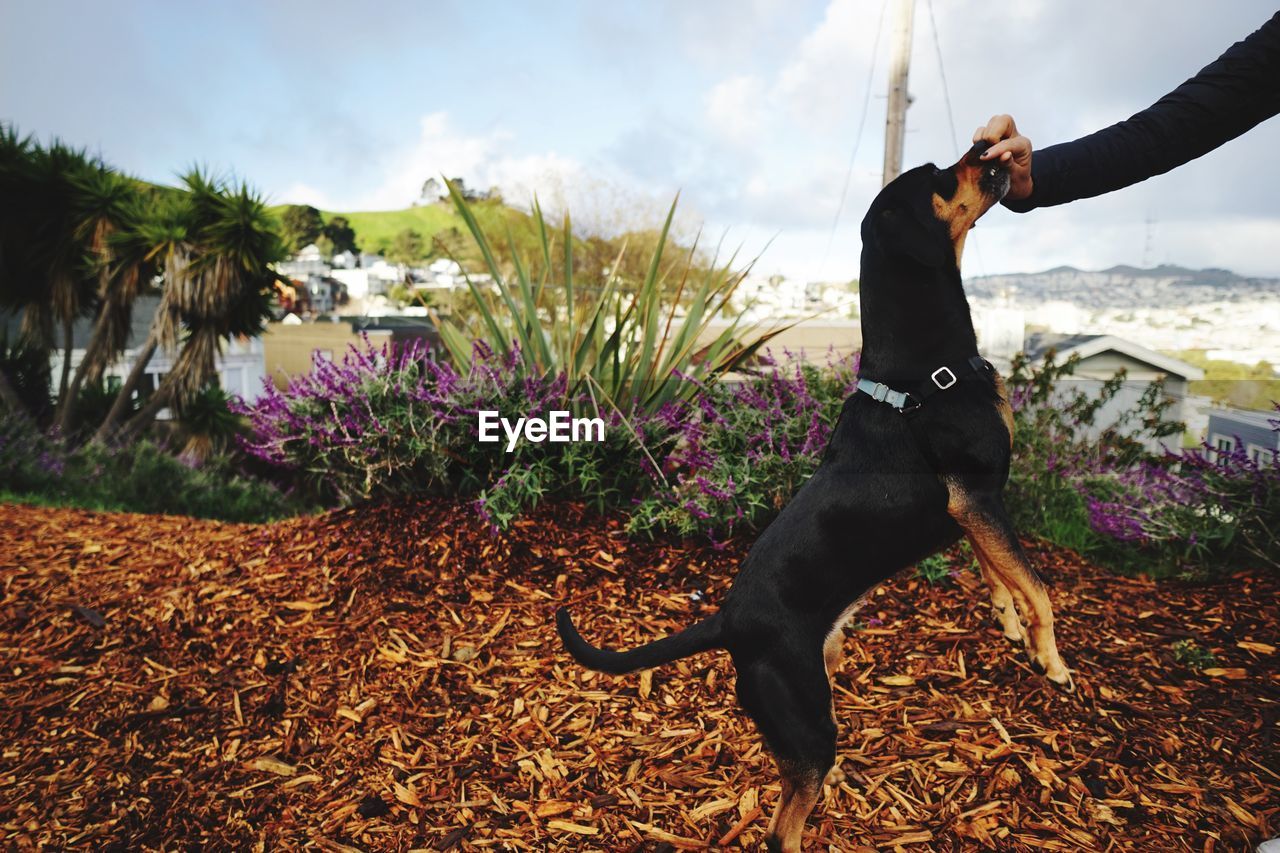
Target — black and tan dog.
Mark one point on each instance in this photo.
(916, 461)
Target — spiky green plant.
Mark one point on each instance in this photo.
(632, 346)
(934, 570)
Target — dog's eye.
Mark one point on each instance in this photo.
(944, 182)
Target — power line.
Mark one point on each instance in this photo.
(942, 72)
(951, 119)
(857, 139)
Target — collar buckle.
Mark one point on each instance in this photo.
(940, 382)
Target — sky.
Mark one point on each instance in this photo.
(749, 109)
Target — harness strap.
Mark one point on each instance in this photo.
(940, 380)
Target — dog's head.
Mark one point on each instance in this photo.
(923, 215)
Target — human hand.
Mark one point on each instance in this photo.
(1013, 151)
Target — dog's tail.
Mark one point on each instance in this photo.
(698, 637)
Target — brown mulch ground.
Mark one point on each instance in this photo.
(387, 678)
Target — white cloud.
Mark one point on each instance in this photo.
(302, 193)
(831, 62)
(803, 111)
(482, 160)
(601, 198)
(734, 106)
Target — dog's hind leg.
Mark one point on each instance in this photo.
(1001, 599)
(800, 788)
(987, 524)
(789, 698)
(833, 650)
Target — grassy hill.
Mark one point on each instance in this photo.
(1256, 387)
(507, 229)
(375, 229)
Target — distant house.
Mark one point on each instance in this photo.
(326, 293)
(770, 297)
(1101, 356)
(308, 261)
(373, 277)
(1258, 433)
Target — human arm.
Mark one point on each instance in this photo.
(1229, 96)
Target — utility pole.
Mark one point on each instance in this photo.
(895, 124)
(1146, 243)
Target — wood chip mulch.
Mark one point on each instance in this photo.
(387, 678)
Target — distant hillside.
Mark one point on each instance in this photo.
(508, 227)
(375, 229)
(1124, 287)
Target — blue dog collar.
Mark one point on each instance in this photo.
(882, 393)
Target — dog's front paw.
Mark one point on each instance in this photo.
(1059, 676)
(1065, 683)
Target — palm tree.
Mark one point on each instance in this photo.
(15, 189)
(106, 205)
(62, 288)
(61, 209)
(214, 245)
(207, 425)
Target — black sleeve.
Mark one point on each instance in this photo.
(1229, 96)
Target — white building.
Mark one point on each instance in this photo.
(759, 298)
(308, 261)
(356, 281)
(1101, 356)
(240, 366)
(1000, 331)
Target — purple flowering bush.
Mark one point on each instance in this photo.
(390, 421)
(395, 420)
(1194, 514)
(743, 449)
(1053, 451)
(727, 458)
(382, 421)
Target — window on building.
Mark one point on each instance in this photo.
(1260, 455)
(232, 380)
(1222, 446)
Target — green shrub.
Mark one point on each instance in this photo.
(1191, 655)
(1194, 514)
(139, 478)
(934, 569)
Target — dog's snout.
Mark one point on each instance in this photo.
(978, 149)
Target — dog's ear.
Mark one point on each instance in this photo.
(911, 233)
